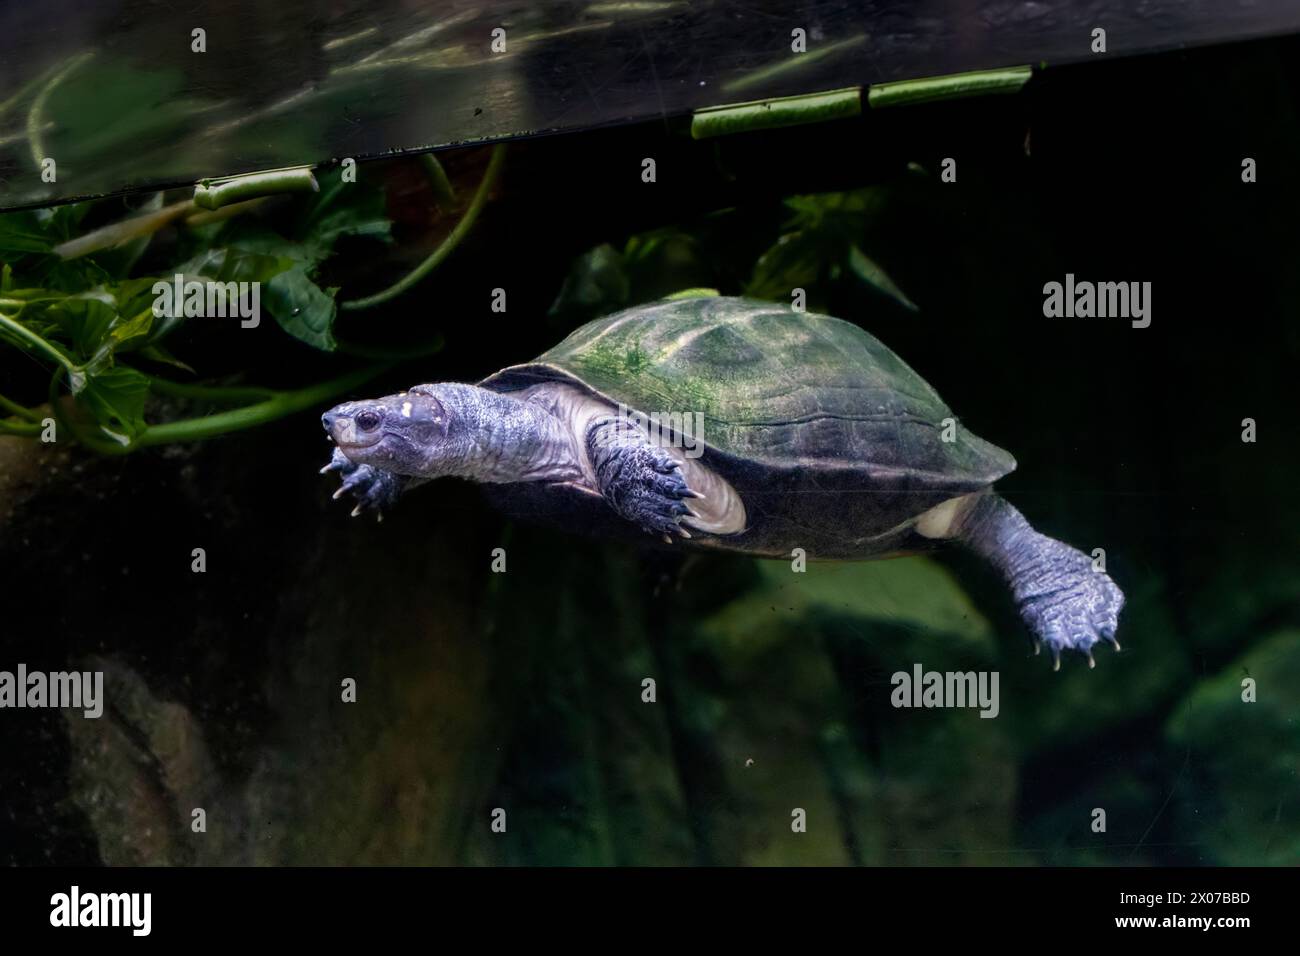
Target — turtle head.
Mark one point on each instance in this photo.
(449, 429)
(417, 432)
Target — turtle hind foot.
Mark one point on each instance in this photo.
(1066, 603)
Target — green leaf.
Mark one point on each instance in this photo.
(62, 222)
(344, 209)
(236, 264)
(597, 284)
(869, 272)
(663, 261)
(225, 264)
(120, 260)
(101, 321)
(696, 293)
(26, 241)
(156, 353)
(125, 330)
(795, 262)
(289, 290)
(84, 320)
(116, 398)
(20, 232)
(846, 214)
(302, 308)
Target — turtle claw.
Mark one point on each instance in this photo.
(361, 478)
(1108, 634)
(374, 489)
(659, 501)
(1078, 609)
(1066, 601)
(338, 462)
(641, 480)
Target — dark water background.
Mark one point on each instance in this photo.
(523, 690)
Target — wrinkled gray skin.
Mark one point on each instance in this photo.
(385, 446)
(388, 445)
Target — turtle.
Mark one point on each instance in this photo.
(728, 424)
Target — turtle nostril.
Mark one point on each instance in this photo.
(328, 420)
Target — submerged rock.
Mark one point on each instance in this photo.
(1238, 736)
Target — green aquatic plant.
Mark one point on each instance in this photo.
(441, 186)
(79, 303)
(954, 86)
(810, 242)
(820, 241)
(776, 113)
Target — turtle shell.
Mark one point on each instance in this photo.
(791, 401)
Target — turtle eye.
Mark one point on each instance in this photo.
(368, 420)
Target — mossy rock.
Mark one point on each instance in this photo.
(1237, 799)
(793, 697)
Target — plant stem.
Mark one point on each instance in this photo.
(36, 114)
(445, 249)
(927, 89)
(37, 343)
(9, 405)
(277, 405)
(442, 188)
(778, 112)
(215, 393)
(214, 194)
(283, 403)
(120, 233)
(22, 429)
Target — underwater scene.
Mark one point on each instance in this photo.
(520, 504)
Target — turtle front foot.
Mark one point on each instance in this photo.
(659, 505)
(642, 481)
(373, 488)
